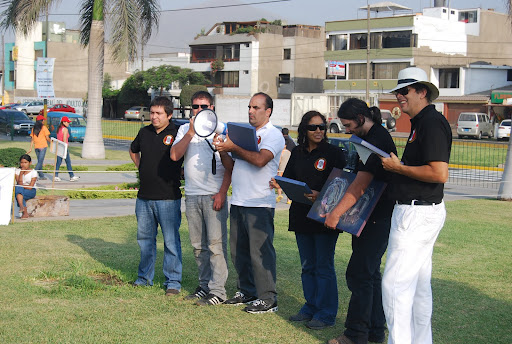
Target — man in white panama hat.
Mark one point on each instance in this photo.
(419, 213)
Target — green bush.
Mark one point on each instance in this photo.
(124, 190)
(187, 91)
(123, 167)
(77, 168)
(10, 157)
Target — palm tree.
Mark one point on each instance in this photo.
(125, 17)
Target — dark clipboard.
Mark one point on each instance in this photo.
(294, 189)
(243, 135)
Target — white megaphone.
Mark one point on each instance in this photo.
(206, 123)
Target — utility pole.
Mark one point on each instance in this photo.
(45, 101)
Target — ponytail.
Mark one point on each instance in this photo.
(376, 115)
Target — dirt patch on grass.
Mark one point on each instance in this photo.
(107, 279)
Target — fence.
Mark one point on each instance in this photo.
(472, 163)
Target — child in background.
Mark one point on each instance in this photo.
(25, 181)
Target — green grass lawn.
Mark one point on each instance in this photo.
(69, 282)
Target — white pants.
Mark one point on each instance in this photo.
(406, 290)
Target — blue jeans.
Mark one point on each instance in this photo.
(68, 165)
(149, 214)
(318, 275)
(27, 194)
(208, 231)
(40, 153)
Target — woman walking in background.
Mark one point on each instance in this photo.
(311, 162)
(40, 135)
(63, 135)
(25, 181)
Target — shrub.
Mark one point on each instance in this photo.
(127, 190)
(10, 157)
(63, 167)
(187, 91)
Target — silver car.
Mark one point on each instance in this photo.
(139, 113)
(474, 124)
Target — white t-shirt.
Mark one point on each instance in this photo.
(27, 178)
(199, 180)
(251, 183)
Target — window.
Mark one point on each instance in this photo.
(337, 42)
(392, 39)
(377, 70)
(468, 16)
(231, 52)
(38, 53)
(203, 53)
(449, 78)
(358, 41)
(223, 79)
(246, 72)
(11, 75)
(287, 55)
(509, 74)
(284, 78)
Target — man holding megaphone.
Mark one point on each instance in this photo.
(206, 186)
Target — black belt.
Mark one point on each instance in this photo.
(417, 202)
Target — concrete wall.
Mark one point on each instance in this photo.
(234, 109)
(269, 62)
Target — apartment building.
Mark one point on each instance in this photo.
(260, 56)
(466, 53)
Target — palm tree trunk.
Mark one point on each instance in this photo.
(505, 191)
(93, 147)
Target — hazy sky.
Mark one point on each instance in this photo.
(178, 28)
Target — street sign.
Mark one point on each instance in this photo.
(336, 68)
(44, 77)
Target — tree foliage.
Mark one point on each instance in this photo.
(133, 92)
(162, 77)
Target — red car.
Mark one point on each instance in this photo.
(60, 107)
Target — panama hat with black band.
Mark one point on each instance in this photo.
(415, 75)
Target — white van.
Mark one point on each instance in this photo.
(474, 124)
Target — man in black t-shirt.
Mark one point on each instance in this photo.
(159, 197)
(419, 213)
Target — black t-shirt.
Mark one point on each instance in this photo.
(159, 174)
(430, 140)
(313, 168)
(380, 138)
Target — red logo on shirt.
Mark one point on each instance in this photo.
(259, 139)
(320, 164)
(412, 137)
(168, 140)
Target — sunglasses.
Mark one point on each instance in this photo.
(403, 91)
(314, 127)
(196, 106)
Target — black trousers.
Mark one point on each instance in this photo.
(365, 316)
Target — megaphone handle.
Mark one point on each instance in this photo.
(214, 164)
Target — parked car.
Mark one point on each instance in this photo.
(351, 156)
(474, 124)
(503, 132)
(9, 106)
(76, 127)
(179, 121)
(139, 113)
(59, 107)
(15, 120)
(30, 108)
(388, 122)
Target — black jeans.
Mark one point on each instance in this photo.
(365, 316)
(251, 237)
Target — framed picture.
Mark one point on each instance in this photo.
(354, 219)
(59, 148)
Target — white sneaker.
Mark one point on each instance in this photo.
(74, 178)
(57, 179)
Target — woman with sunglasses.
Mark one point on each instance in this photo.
(365, 317)
(311, 162)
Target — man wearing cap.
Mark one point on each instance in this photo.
(419, 213)
(206, 186)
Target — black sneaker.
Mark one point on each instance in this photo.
(198, 294)
(209, 300)
(260, 306)
(240, 299)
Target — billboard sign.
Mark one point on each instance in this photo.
(336, 68)
(44, 77)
